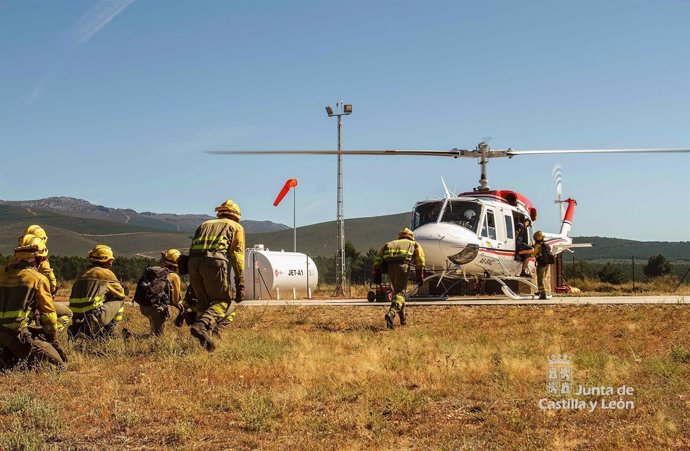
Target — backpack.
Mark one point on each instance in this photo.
(545, 256)
(154, 288)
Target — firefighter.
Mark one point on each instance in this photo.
(23, 292)
(396, 257)
(542, 265)
(64, 314)
(45, 268)
(215, 242)
(167, 295)
(97, 298)
(523, 251)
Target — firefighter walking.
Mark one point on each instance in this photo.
(64, 314)
(395, 258)
(98, 298)
(24, 292)
(216, 242)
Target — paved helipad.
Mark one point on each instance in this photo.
(594, 300)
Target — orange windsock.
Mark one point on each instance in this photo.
(291, 183)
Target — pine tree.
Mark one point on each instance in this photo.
(657, 266)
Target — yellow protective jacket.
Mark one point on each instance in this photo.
(92, 288)
(402, 250)
(45, 269)
(220, 237)
(24, 290)
(176, 283)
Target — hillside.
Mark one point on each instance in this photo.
(71, 235)
(620, 249)
(321, 239)
(80, 208)
(75, 236)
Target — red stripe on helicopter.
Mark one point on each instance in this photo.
(570, 211)
(509, 197)
(490, 250)
(508, 252)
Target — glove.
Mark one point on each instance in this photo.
(420, 277)
(179, 319)
(189, 298)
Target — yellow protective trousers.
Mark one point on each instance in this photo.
(398, 274)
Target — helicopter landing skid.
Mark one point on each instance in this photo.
(446, 282)
(511, 294)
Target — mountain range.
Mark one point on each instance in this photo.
(76, 225)
(80, 208)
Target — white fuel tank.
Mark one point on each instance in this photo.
(278, 275)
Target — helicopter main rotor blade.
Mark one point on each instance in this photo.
(453, 153)
(511, 152)
(428, 153)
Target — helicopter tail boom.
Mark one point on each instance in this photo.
(567, 223)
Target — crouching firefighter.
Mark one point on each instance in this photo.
(215, 242)
(24, 292)
(64, 314)
(97, 298)
(394, 259)
(159, 289)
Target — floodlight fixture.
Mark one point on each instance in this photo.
(329, 111)
(347, 109)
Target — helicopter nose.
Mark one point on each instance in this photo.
(443, 242)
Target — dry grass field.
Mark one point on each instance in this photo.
(334, 378)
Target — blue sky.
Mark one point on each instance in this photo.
(115, 102)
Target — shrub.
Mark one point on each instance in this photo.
(611, 273)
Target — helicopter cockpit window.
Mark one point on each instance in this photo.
(489, 227)
(462, 213)
(426, 213)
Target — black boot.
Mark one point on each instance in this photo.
(403, 318)
(389, 322)
(199, 332)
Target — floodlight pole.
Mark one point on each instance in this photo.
(294, 219)
(340, 282)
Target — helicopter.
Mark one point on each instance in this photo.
(469, 238)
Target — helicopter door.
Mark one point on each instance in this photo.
(489, 230)
(500, 230)
(510, 231)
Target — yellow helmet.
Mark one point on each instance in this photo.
(30, 246)
(170, 256)
(101, 254)
(406, 233)
(38, 231)
(538, 235)
(229, 208)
